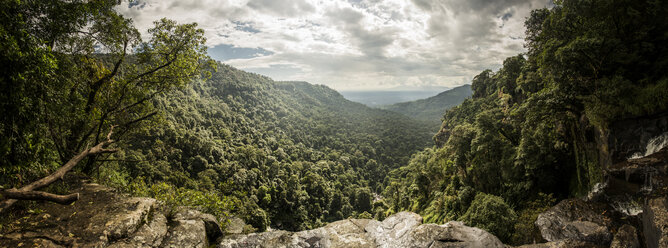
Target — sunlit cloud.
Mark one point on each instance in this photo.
(354, 44)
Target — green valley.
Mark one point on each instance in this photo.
(563, 144)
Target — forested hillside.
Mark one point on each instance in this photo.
(431, 109)
(83, 98)
(289, 154)
(83, 94)
(536, 129)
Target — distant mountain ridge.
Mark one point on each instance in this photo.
(432, 109)
(386, 97)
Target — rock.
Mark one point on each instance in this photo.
(393, 228)
(343, 233)
(403, 229)
(149, 235)
(186, 233)
(213, 230)
(575, 219)
(626, 237)
(105, 218)
(456, 234)
(127, 219)
(629, 136)
(588, 231)
(565, 243)
(655, 222)
(235, 225)
(267, 239)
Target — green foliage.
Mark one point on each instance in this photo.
(293, 155)
(525, 230)
(69, 77)
(491, 213)
(174, 197)
(258, 219)
(533, 129)
(364, 215)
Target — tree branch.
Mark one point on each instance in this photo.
(39, 195)
(58, 174)
(96, 86)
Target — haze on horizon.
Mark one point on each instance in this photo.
(354, 44)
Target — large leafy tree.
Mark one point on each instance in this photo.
(73, 72)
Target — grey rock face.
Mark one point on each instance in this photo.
(575, 219)
(235, 225)
(567, 243)
(186, 233)
(149, 235)
(104, 218)
(655, 222)
(393, 229)
(626, 237)
(131, 213)
(401, 230)
(213, 230)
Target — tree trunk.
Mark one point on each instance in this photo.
(28, 192)
(16, 194)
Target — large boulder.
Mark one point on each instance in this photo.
(575, 219)
(456, 234)
(235, 225)
(149, 235)
(626, 237)
(403, 229)
(343, 233)
(392, 229)
(186, 233)
(211, 225)
(655, 222)
(564, 243)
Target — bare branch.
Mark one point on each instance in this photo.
(58, 174)
(39, 195)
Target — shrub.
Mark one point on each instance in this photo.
(526, 231)
(173, 197)
(491, 213)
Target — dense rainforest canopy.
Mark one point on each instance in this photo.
(291, 154)
(287, 153)
(537, 128)
(294, 155)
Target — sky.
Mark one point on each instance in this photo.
(353, 44)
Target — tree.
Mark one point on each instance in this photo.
(78, 79)
(491, 213)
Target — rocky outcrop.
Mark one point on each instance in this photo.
(575, 219)
(403, 229)
(567, 243)
(655, 222)
(630, 136)
(235, 225)
(626, 237)
(104, 218)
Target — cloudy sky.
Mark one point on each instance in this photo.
(353, 44)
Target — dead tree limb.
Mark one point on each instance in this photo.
(27, 191)
(40, 196)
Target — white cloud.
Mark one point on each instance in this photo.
(356, 43)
